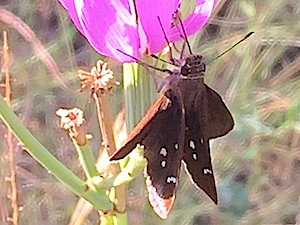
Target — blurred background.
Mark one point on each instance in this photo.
(257, 165)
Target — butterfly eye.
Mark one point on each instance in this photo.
(185, 70)
(193, 67)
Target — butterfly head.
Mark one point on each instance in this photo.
(193, 67)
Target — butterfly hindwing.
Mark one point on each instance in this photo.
(215, 118)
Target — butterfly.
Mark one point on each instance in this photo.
(177, 128)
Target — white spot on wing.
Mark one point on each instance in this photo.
(192, 144)
(176, 146)
(163, 152)
(201, 141)
(163, 163)
(195, 156)
(171, 179)
(207, 171)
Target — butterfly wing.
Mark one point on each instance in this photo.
(197, 155)
(215, 118)
(160, 133)
(143, 128)
(210, 118)
(164, 151)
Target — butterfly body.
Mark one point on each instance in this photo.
(177, 128)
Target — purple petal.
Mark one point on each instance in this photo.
(108, 25)
(148, 12)
(196, 20)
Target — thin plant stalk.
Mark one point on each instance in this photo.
(106, 126)
(14, 190)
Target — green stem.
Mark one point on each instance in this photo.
(138, 86)
(116, 219)
(136, 163)
(138, 91)
(129, 71)
(47, 160)
(87, 160)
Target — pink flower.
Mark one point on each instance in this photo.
(132, 26)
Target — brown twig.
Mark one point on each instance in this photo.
(106, 126)
(14, 191)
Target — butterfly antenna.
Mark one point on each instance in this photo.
(185, 35)
(167, 40)
(146, 65)
(165, 61)
(176, 15)
(240, 41)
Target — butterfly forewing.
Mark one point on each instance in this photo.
(143, 128)
(164, 151)
(197, 156)
(162, 136)
(206, 117)
(196, 149)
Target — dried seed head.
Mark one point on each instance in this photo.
(71, 120)
(99, 79)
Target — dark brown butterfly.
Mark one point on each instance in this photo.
(177, 128)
